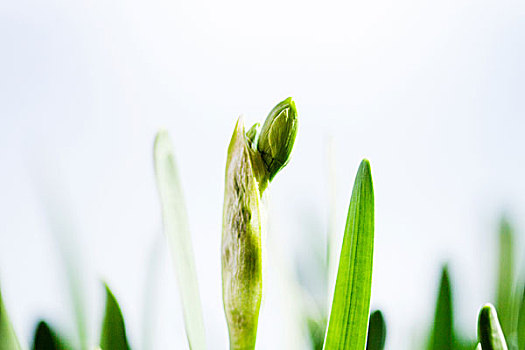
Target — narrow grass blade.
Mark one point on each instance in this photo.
(176, 228)
(316, 331)
(504, 293)
(113, 335)
(490, 334)
(442, 336)
(47, 339)
(348, 322)
(376, 331)
(521, 323)
(44, 338)
(465, 344)
(8, 339)
(68, 245)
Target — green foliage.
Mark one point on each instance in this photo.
(512, 316)
(490, 335)
(63, 230)
(521, 323)
(442, 337)
(176, 228)
(8, 339)
(376, 331)
(348, 322)
(316, 331)
(47, 339)
(254, 158)
(505, 286)
(113, 335)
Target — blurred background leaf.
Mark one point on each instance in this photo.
(60, 218)
(376, 331)
(442, 336)
(505, 285)
(177, 231)
(113, 335)
(8, 339)
(47, 339)
(521, 322)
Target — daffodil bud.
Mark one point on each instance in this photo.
(241, 244)
(251, 135)
(278, 136)
(253, 160)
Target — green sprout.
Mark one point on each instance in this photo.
(252, 162)
(278, 136)
(490, 335)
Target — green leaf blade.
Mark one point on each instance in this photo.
(490, 334)
(521, 323)
(376, 331)
(348, 322)
(113, 335)
(8, 339)
(442, 336)
(176, 228)
(47, 339)
(506, 267)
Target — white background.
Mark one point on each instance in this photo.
(432, 92)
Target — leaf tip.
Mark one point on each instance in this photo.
(107, 289)
(487, 312)
(364, 174)
(364, 167)
(162, 144)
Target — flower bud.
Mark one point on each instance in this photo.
(253, 160)
(251, 135)
(278, 136)
(241, 244)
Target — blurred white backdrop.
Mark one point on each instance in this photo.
(431, 92)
